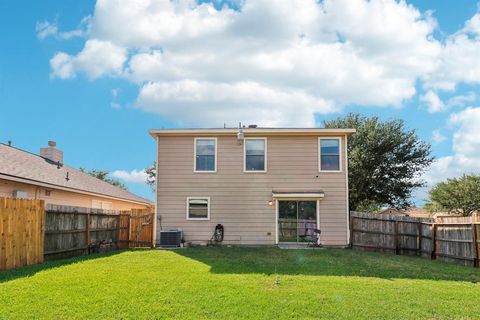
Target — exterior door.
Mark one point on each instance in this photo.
(296, 220)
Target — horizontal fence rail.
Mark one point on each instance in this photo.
(448, 241)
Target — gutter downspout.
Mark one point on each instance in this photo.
(156, 216)
(347, 191)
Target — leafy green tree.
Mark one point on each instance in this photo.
(385, 161)
(105, 176)
(458, 195)
(151, 175)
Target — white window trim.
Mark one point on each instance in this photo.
(245, 156)
(195, 155)
(208, 209)
(340, 154)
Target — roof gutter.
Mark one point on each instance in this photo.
(54, 186)
(251, 132)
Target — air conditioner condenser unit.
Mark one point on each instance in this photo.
(171, 237)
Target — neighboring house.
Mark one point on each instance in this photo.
(45, 176)
(410, 212)
(392, 211)
(264, 185)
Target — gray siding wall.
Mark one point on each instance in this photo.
(239, 200)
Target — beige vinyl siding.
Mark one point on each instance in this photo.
(239, 200)
(62, 197)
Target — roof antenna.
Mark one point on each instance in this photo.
(67, 178)
(9, 143)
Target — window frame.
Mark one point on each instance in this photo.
(340, 153)
(195, 154)
(188, 209)
(245, 155)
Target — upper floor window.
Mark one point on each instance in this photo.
(205, 155)
(255, 151)
(330, 154)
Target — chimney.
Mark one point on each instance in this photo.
(52, 153)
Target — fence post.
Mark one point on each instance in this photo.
(119, 230)
(351, 231)
(434, 241)
(419, 239)
(128, 236)
(151, 229)
(475, 245)
(396, 238)
(87, 232)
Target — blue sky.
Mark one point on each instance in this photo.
(96, 84)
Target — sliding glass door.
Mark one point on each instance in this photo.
(296, 220)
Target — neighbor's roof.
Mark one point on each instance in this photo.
(251, 131)
(23, 166)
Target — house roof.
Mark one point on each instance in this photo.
(23, 166)
(250, 131)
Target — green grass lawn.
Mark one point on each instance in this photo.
(233, 283)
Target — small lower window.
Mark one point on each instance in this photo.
(97, 204)
(198, 208)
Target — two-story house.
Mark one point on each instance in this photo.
(266, 186)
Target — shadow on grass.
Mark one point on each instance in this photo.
(327, 262)
(31, 270)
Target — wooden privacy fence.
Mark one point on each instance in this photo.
(21, 232)
(72, 231)
(448, 241)
(30, 233)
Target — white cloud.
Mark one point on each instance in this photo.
(46, 29)
(325, 54)
(114, 104)
(62, 66)
(432, 102)
(438, 137)
(134, 176)
(462, 100)
(466, 147)
(248, 102)
(98, 58)
(466, 139)
(459, 60)
(330, 54)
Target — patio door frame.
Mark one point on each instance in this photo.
(295, 199)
